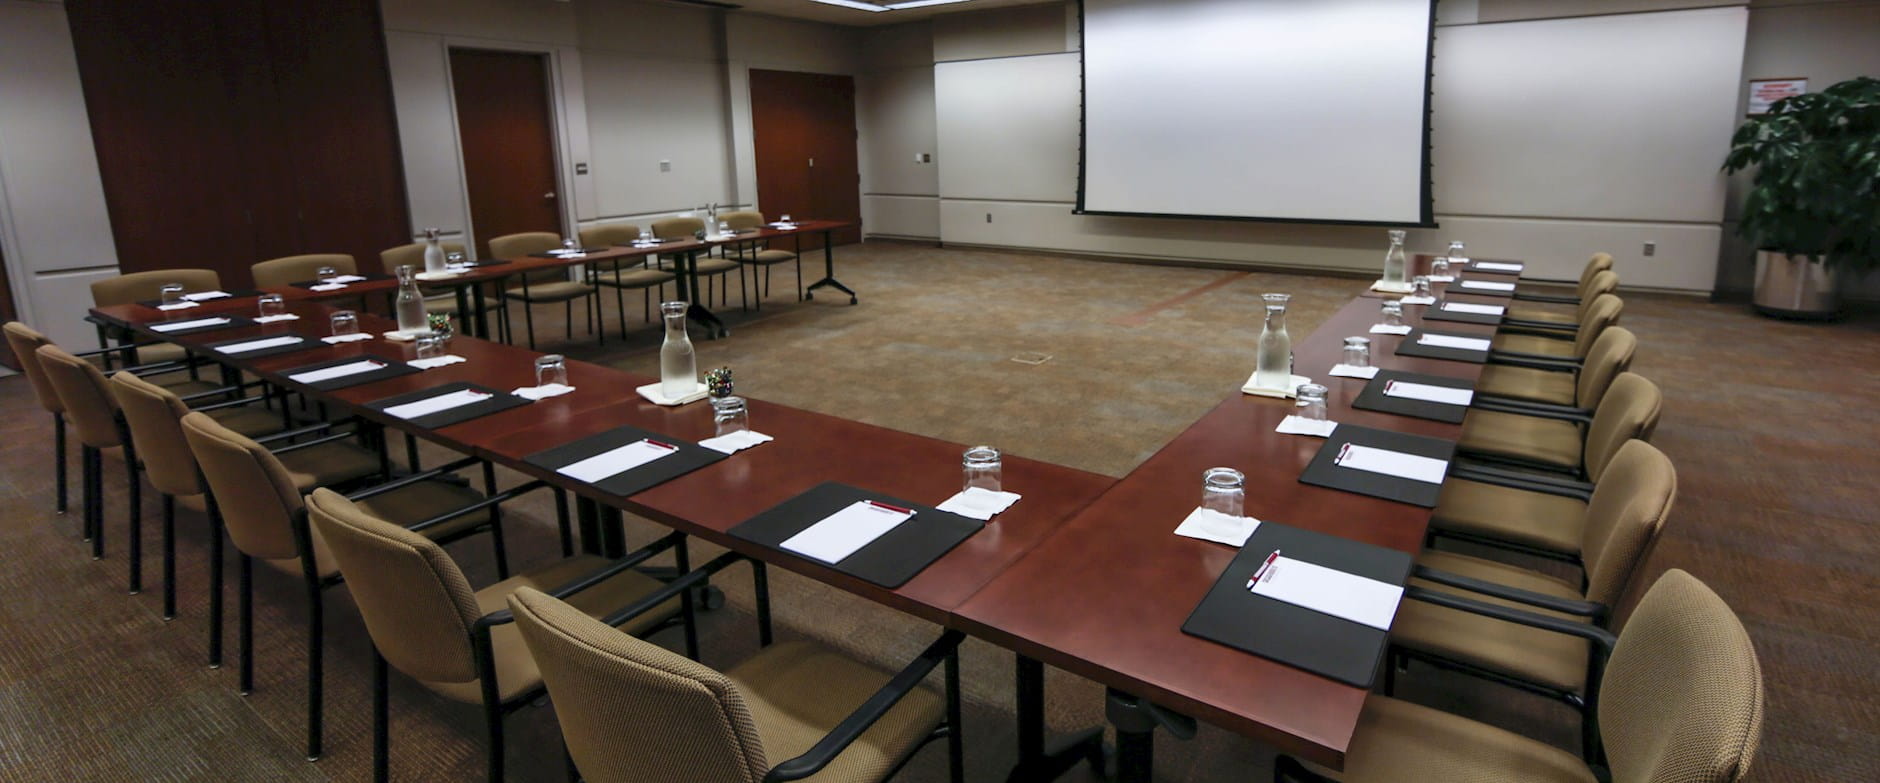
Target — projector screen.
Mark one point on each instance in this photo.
(1296, 110)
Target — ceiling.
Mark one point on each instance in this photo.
(831, 14)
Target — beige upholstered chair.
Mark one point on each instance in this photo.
(792, 711)
(412, 255)
(426, 620)
(544, 286)
(145, 286)
(154, 416)
(759, 254)
(709, 269)
(1601, 312)
(1601, 283)
(1612, 537)
(623, 274)
(1600, 262)
(1562, 384)
(258, 495)
(288, 270)
(1560, 442)
(1680, 701)
(93, 413)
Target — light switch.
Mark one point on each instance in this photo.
(665, 165)
(580, 168)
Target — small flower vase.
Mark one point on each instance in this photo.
(441, 326)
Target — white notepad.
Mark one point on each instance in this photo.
(840, 534)
(257, 345)
(339, 371)
(1330, 591)
(178, 306)
(1477, 309)
(1391, 463)
(979, 503)
(441, 402)
(1210, 525)
(175, 325)
(614, 462)
(1484, 285)
(204, 296)
(1490, 266)
(1429, 393)
(1452, 341)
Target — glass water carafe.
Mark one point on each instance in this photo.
(678, 364)
(1274, 369)
(411, 319)
(1394, 261)
(434, 261)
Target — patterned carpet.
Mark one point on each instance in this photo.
(1775, 510)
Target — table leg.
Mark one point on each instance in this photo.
(698, 313)
(602, 530)
(463, 308)
(829, 271)
(483, 312)
(1035, 763)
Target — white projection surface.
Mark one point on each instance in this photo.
(1311, 110)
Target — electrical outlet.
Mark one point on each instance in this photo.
(988, 217)
(580, 168)
(1651, 248)
(665, 165)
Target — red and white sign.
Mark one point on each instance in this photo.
(1763, 93)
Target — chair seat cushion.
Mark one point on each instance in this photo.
(1535, 344)
(1532, 438)
(1530, 312)
(558, 291)
(404, 506)
(1408, 743)
(516, 672)
(797, 692)
(152, 354)
(1535, 519)
(327, 464)
(1527, 383)
(767, 257)
(1531, 654)
(250, 420)
(716, 266)
(634, 278)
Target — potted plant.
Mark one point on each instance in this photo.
(1814, 205)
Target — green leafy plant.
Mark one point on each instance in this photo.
(1816, 190)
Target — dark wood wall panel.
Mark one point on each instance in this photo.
(797, 117)
(229, 131)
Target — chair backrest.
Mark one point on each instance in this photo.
(139, 286)
(740, 221)
(417, 605)
(512, 246)
(678, 227)
(687, 721)
(609, 234)
(155, 417)
(1603, 283)
(1624, 516)
(412, 255)
(1682, 697)
(1629, 410)
(1600, 262)
(81, 388)
(257, 498)
(1610, 355)
(25, 342)
(277, 272)
(1602, 312)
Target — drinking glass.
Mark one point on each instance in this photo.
(1357, 352)
(1455, 250)
(645, 235)
(453, 258)
(271, 305)
(325, 274)
(724, 228)
(1421, 284)
(345, 322)
(1312, 402)
(1439, 268)
(170, 293)
(551, 369)
(1224, 490)
(785, 219)
(1393, 312)
(984, 468)
(568, 246)
(730, 414)
(431, 346)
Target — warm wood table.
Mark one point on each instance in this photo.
(1105, 597)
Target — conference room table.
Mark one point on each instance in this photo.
(1083, 573)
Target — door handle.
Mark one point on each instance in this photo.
(549, 195)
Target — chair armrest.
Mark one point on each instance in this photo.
(1591, 609)
(1496, 406)
(1552, 364)
(1601, 638)
(234, 403)
(488, 502)
(1545, 326)
(216, 392)
(646, 602)
(1549, 298)
(116, 348)
(1538, 408)
(1530, 482)
(852, 727)
(315, 442)
(613, 569)
(295, 433)
(408, 480)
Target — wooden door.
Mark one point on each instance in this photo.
(803, 127)
(508, 142)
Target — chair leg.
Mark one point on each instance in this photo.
(528, 319)
(316, 667)
(743, 293)
(381, 720)
(496, 523)
(760, 582)
(561, 521)
(493, 719)
(215, 584)
(245, 621)
(94, 499)
(620, 302)
(134, 546)
(799, 277)
(59, 468)
(567, 327)
(956, 729)
(683, 560)
(169, 557)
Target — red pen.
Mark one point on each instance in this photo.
(1388, 385)
(879, 504)
(662, 445)
(1342, 452)
(1268, 563)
